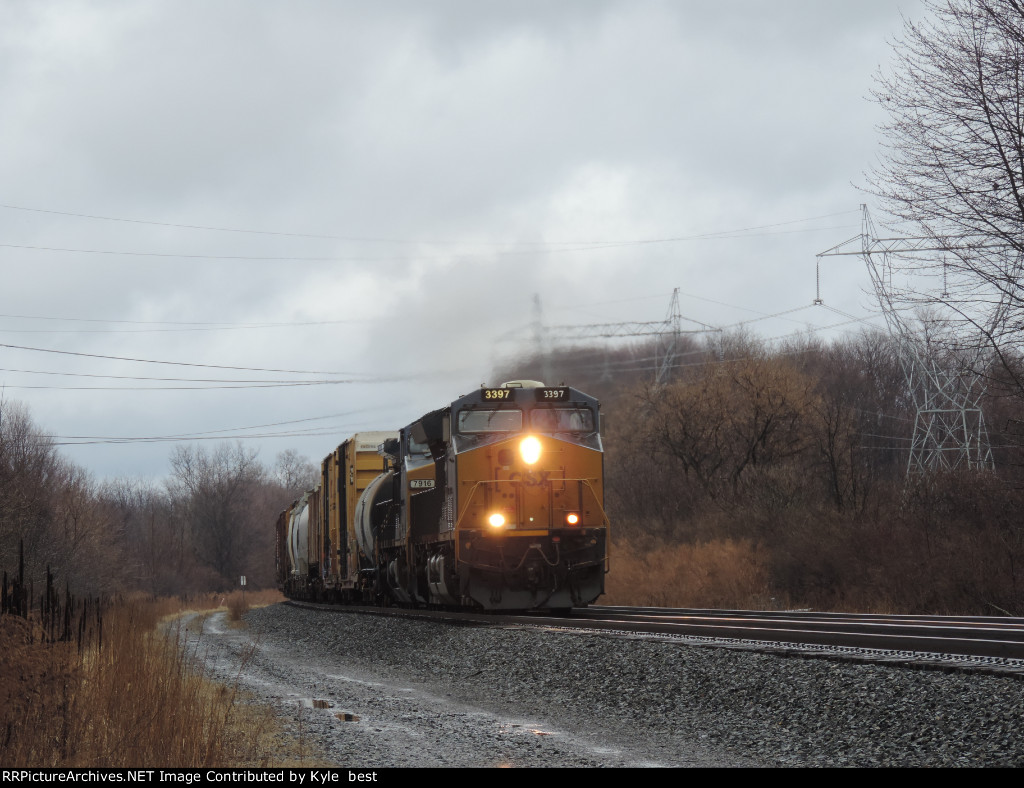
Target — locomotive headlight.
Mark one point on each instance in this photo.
(496, 520)
(572, 518)
(529, 450)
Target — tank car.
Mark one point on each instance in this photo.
(317, 554)
(494, 502)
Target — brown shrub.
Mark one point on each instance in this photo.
(720, 573)
(237, 604)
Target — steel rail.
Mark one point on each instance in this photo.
(961, 635)
(985, 637)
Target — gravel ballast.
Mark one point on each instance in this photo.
(393, 692)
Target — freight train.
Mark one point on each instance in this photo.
(494, 502)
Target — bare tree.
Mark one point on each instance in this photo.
(215, 494)
(28, 464)
(733, 420)
(50, 507)
(87, 546)
(295, 472)
(156, 557)
(952, 168)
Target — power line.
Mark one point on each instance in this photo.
(181, 363)
(641, 364)
(185, 328)
(180, 256)
(166, 380)
(197, 323)
(121, 441)
(223, 434)
(408, 241)
(296, 384)
(83, 331)
(565, 248)
(768, 317)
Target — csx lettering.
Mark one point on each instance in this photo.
(530, 479)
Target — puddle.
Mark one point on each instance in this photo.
(339, 677)
(316, 703)
(520, 728)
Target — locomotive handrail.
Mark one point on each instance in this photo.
(607, 525)
(587, 482)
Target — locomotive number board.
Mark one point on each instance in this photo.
(559, 394)
(552, 395)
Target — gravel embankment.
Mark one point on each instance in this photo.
(429, 694)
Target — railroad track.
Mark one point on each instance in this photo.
(973, 642)
(989, 637)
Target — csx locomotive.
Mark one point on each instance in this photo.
(494, 502)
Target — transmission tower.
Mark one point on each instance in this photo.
(541, 339)
(668, 331)
(949, 426)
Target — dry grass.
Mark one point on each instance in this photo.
(238, 604)
(137, 700)
(715, 574)
(170, 606)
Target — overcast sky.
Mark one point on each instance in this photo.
(375, 192)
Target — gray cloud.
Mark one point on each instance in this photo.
(438, 143)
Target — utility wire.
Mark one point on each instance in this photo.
(296, 384)
(407, 241)
(767, 317)
(183, 363)
(225, 433)
(116, 441)
(200, 324)
(566, 247)
(169, 380)
(184, 329)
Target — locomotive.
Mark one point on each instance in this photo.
(493, 502)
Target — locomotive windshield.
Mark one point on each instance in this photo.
(490, 420)
(562, 420)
